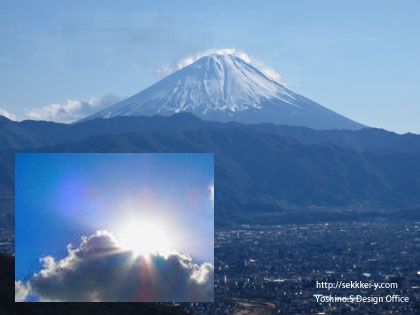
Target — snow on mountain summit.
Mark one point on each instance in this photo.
(222, 82)
(214, 82)
(224, 87)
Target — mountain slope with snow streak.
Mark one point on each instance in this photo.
(223, 87)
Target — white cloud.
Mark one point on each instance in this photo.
(72, 110)
(99, 270)
(270, 73)
(21, 291)
(7, 114)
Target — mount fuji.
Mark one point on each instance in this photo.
(224, 87)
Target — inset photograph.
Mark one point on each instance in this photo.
(114, 227)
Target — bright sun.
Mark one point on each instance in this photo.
(144, 238)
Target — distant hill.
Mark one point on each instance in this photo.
(259, 169)
(32, 134)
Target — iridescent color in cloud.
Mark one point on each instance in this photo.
(142, 200)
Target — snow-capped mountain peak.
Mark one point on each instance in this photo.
(225, 87)
(221, 82)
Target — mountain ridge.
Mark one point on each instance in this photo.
(32, 134)
(265, 173)
(259, 169)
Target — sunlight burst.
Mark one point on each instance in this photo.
(144, 238)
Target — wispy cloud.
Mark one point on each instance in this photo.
(270, 73)
(72, 110)
(100, 270)
(363, 36)
(7, 114)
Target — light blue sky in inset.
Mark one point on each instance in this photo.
(359, 58)
(61, 197)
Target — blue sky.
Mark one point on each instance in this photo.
(360, 58)
(60, 197)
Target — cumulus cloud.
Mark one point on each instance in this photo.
(100, 270)
(7, 114)
(270, 73)
(21, 291)
(72, 110)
